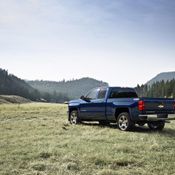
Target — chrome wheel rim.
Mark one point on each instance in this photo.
(123, 122)
(73, 118)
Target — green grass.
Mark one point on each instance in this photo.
(36, 139)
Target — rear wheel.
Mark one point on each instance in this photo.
(124, 122)
(74, 117)
(156, 126)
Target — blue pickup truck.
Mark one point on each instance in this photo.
(122, 106)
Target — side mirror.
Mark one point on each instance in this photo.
(84, 98)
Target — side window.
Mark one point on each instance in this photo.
(101, 93)
(92, 94)
(114, 94)
(120, 94)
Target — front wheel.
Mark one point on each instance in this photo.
(156, 126)
(124, 122)
(73, 119)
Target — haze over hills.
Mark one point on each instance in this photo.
(52, 91)
(73, 88)
(166, 76)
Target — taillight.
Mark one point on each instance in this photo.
(141, 105)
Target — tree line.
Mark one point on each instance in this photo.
(12, 85)
(64, 91)
(157, 89)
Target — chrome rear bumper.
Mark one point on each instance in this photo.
(156, 117)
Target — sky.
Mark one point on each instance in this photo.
(122, 42)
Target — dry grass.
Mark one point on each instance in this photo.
(35, 138)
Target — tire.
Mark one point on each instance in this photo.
(124, 122)
(73, 118)
(156, 126)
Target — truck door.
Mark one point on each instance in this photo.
(94, 109)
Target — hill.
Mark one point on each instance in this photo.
(166, 76)
(73, 88)
(7, 99)
(12, 85)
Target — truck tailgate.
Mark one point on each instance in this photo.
(158, 105)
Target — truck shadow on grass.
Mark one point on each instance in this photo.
(167, 132)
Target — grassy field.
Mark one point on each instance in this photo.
(36, 139)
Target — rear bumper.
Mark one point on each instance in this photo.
(156, 117)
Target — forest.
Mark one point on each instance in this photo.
(157, 89)
(12, 85)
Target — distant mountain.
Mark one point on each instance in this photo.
(166, 76)
(73, 88)
(12, 85)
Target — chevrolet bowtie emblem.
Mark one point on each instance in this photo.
(161, 106)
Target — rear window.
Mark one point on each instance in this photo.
(118, 94)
